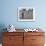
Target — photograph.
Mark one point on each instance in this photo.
(26, 14)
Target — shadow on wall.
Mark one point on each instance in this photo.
(2, 26)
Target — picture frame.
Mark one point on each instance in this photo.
(26, 14)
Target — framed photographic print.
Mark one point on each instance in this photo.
(26, 14)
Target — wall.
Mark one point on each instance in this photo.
(8, 13)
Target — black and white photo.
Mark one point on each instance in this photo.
(26, 14)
